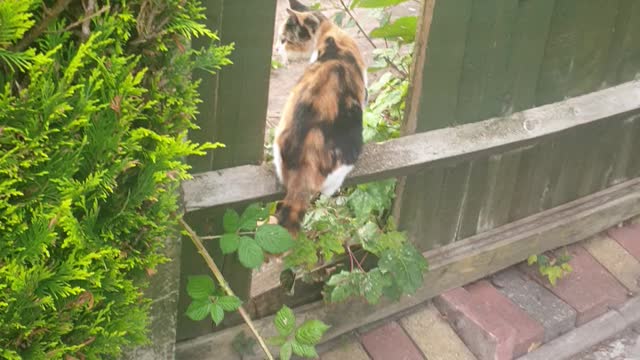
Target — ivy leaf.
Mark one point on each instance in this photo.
(250, 253)
(251, 215)
(404, 28)
(200, 287)
(378, 3)
(217, 313)
(286, 351)
(198, 309)
(230, 221)
(229, 243)
(274, 238)
(285, 321)
(310, 332)
(229, 303)
(307, 351)
(405, 266)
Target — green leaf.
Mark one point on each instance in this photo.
(392, 240)
(249, 253)
(251, 215)
(200, 287)
(229, 303)
(532, 259)
(285, 321)
(338, 18)
(329, 245)
(274, 238)
(307, 351)
(286, 351)
(229, 243)
(371, 198)
(373, 285)
(310, 332)
(403, 28)
(344, 285)
(277, 340)
(405, 266)
(303, 254)
(217, 314)
(198, 309)
(230, 221)
(378, 3)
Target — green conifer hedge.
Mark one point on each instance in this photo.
(95, 102)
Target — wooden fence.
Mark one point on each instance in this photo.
(555, 161)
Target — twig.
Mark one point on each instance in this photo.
(223, 283)
(88, 17)
(353, 258)
(213, 237)
(52, 14)
(386, 59)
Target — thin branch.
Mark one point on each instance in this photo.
(213, 237)
(223, 283)
(353, 258)
(88, 17)
(51, 15)
(386, 59)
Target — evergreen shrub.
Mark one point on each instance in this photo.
(96, 99)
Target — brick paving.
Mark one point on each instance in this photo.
(512, 312)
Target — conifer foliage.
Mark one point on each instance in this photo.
(96, 99)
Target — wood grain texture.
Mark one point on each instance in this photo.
(462, 262)
(436, 148)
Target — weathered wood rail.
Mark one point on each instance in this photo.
(440, 147)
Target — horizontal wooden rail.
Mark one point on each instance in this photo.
(457, 264)
(407, 154)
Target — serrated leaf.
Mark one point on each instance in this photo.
(285, 321)
(392, 240)
(532, 259)
(230, 221)
(251, 215)
(307, 351)
(217, 314)
(330, 245)
(403, 28)
(371, 198)
(277, 340)
(405, 266)
(200, 286)
(344, 285)
(198, 309)
(310, 332)
(543, 260)
(286, 351)
(249, 253)
(378, 3)
(303, 253)
(229, 243)
(274, 238)
(373, 286)
(229, 303)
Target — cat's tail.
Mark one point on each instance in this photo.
(291, 210)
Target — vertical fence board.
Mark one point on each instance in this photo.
(233, 112)
(595, 25)
(442, 67)
(474, 199)
(558, 61)
(630, 65)
(616, 48)
(625, 156)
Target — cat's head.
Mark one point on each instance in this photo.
(297, 36)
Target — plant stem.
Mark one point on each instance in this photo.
(386, 59)
(213, 237)
(352, 257)
(51, 15)
(223, 283)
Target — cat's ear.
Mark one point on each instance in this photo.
(296, 16)
(298, 6)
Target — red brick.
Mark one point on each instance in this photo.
(389, 341)
(590, 289)
(629, 237)
(528, 331)
(489, 337)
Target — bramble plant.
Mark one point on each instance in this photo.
(552, 267)
(300, 340)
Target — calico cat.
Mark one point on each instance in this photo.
(319, 137)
